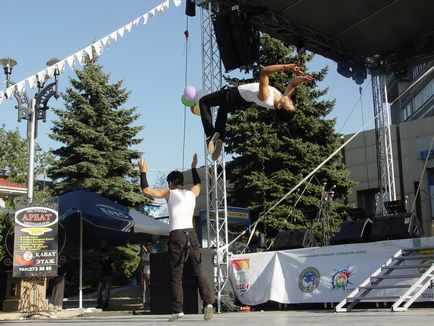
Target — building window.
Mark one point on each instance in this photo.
(423, 96)
(406, 112)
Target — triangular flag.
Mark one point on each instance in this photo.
(177, 2)
(105, 41)
(88, 50)
(151, 13)
(71, 62)
(60, 66)
(98, 47)
(10, 91)
(50, 71)
(114, 36)
(1, 97)
(31, 81)
(41, 76)
(136, 21)
(163, 7)
(145, 19)
(80, 56)
(20, 86)
(128, 27)
(121, 31)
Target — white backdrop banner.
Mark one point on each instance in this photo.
(313, 275)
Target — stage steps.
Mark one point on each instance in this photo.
(418, 283)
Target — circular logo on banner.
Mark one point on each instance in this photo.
(308, 280)
(27, 255)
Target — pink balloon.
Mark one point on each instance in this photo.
(190, 93)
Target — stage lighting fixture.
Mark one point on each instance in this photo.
(299, 44)
(344, 69)
(359, 74)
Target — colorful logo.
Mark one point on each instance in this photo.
(308, 280)
(341, 277)
(240, 265)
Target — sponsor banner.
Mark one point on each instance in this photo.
(316, 275)
(35, 242)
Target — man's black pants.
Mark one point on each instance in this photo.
(228, 100)
(183, 244)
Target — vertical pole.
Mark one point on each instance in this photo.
(31, 137)
(80, 286)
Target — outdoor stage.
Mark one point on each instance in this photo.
(316, 275)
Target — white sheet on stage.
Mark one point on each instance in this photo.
(312, 275)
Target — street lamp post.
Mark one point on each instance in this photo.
(32, 110)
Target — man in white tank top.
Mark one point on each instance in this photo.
(235, 98)
(183, 242)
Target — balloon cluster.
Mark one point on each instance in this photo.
(191, 98)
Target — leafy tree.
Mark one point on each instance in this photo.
(97, 134)
(271, 156)
(14, 157)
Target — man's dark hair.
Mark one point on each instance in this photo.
(284, 115)
(176, 178)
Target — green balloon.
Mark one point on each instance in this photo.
(186, 102)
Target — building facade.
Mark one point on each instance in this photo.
(412, 134)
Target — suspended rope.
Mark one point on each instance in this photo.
(354, 107)
(186, 34)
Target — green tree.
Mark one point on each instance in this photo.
(97, 134)
(272, 156)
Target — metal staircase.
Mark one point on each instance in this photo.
(381, 285)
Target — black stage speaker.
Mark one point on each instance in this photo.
(399, 226)
(353, 231)
(160, 283)
(237, 41)
(301, 238)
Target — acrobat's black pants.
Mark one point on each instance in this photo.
(228, 100)
(183, 244)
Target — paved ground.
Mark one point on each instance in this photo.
(126, 300)
(414, 317)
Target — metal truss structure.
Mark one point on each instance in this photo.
(386, 176)
(216, 203)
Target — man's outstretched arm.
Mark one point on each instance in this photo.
(196, 179)
(264, 80)
(148, 191)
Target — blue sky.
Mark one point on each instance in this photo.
(150, 60)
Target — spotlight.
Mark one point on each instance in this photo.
(359, 73)
(344, 69)
(299, 44)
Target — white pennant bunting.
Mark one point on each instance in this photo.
(50, 71)
(145, 19)
(60, 66)
(98, 47)
(31, 81)
(136, 21)
(20, 86)
(121, 31)
(80, 56)
(71, 62)
(41, 76)
(88, 50)
(163, 7)
(105, 41)
(10, 91)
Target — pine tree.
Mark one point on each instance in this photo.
(270, 156)
(97, 134)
